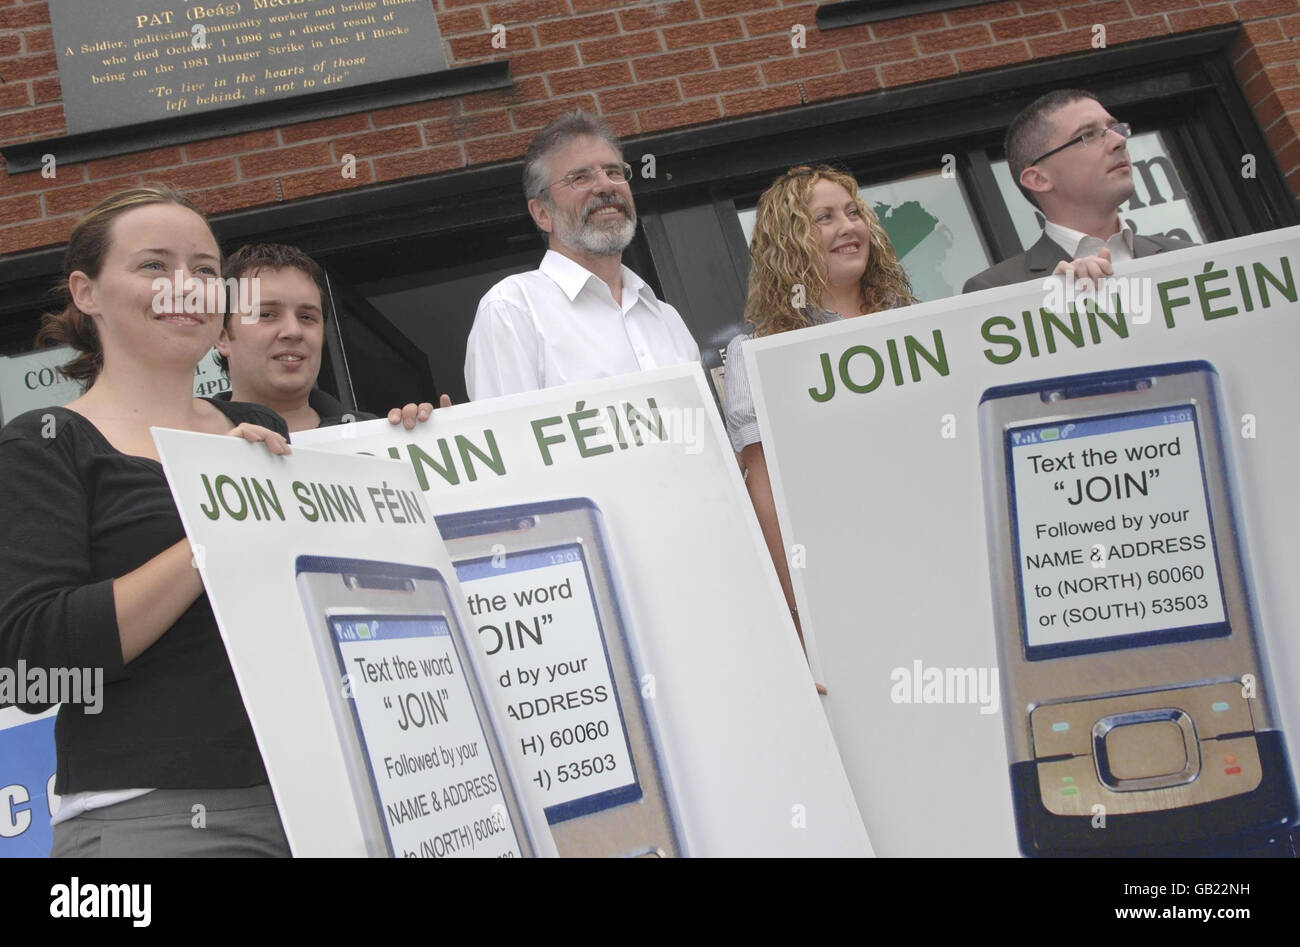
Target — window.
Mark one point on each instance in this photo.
(931, 225)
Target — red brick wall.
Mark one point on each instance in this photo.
(644, 66)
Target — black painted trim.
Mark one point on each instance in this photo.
(343, 388)
(330, 103)
(989, 209)
(834, 16)
(1238, 121)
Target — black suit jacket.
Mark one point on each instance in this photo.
(1039, 260)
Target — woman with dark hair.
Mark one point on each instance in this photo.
(818, 254)
(95, 570)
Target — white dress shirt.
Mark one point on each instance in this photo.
(74, 804)
(1077, 244)
(559, 324)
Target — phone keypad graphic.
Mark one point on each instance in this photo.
(1145, 752)
(1115, 541)
(1140, 714)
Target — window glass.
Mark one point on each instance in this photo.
(930, 224)
(434, 307)
(1160, 203)
(33, 380)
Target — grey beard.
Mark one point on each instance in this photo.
(595, 239)
(605, 242)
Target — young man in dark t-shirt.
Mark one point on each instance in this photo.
(273, 355)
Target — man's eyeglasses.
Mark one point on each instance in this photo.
(1088, 136)
(584, 179)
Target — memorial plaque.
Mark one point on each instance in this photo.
(133, 61)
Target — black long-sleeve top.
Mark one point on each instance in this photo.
(76, 514)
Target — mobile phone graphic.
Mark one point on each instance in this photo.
(425, 766)
(1139, 712)
(567, 676)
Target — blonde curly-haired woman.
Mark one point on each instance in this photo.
(818, 254)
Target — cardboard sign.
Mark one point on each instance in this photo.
(1017, 501)
(643, 662)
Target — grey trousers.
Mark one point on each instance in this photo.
(178, 823)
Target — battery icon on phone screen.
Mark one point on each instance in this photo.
(1049, 433)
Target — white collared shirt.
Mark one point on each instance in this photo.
(1077, 244)
(559, 324)
(74, 804)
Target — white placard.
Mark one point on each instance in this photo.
(748, 754)
(259, 524)
(872, 437)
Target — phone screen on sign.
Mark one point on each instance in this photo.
(545, 650)
(419, 728)
(1114, 541)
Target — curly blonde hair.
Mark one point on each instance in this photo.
(785, 252)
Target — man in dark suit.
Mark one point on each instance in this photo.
(1069, 158)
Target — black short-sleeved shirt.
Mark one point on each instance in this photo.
(327, 408)
(77, 514)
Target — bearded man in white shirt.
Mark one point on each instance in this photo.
(1069, 157)
(581, 314)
